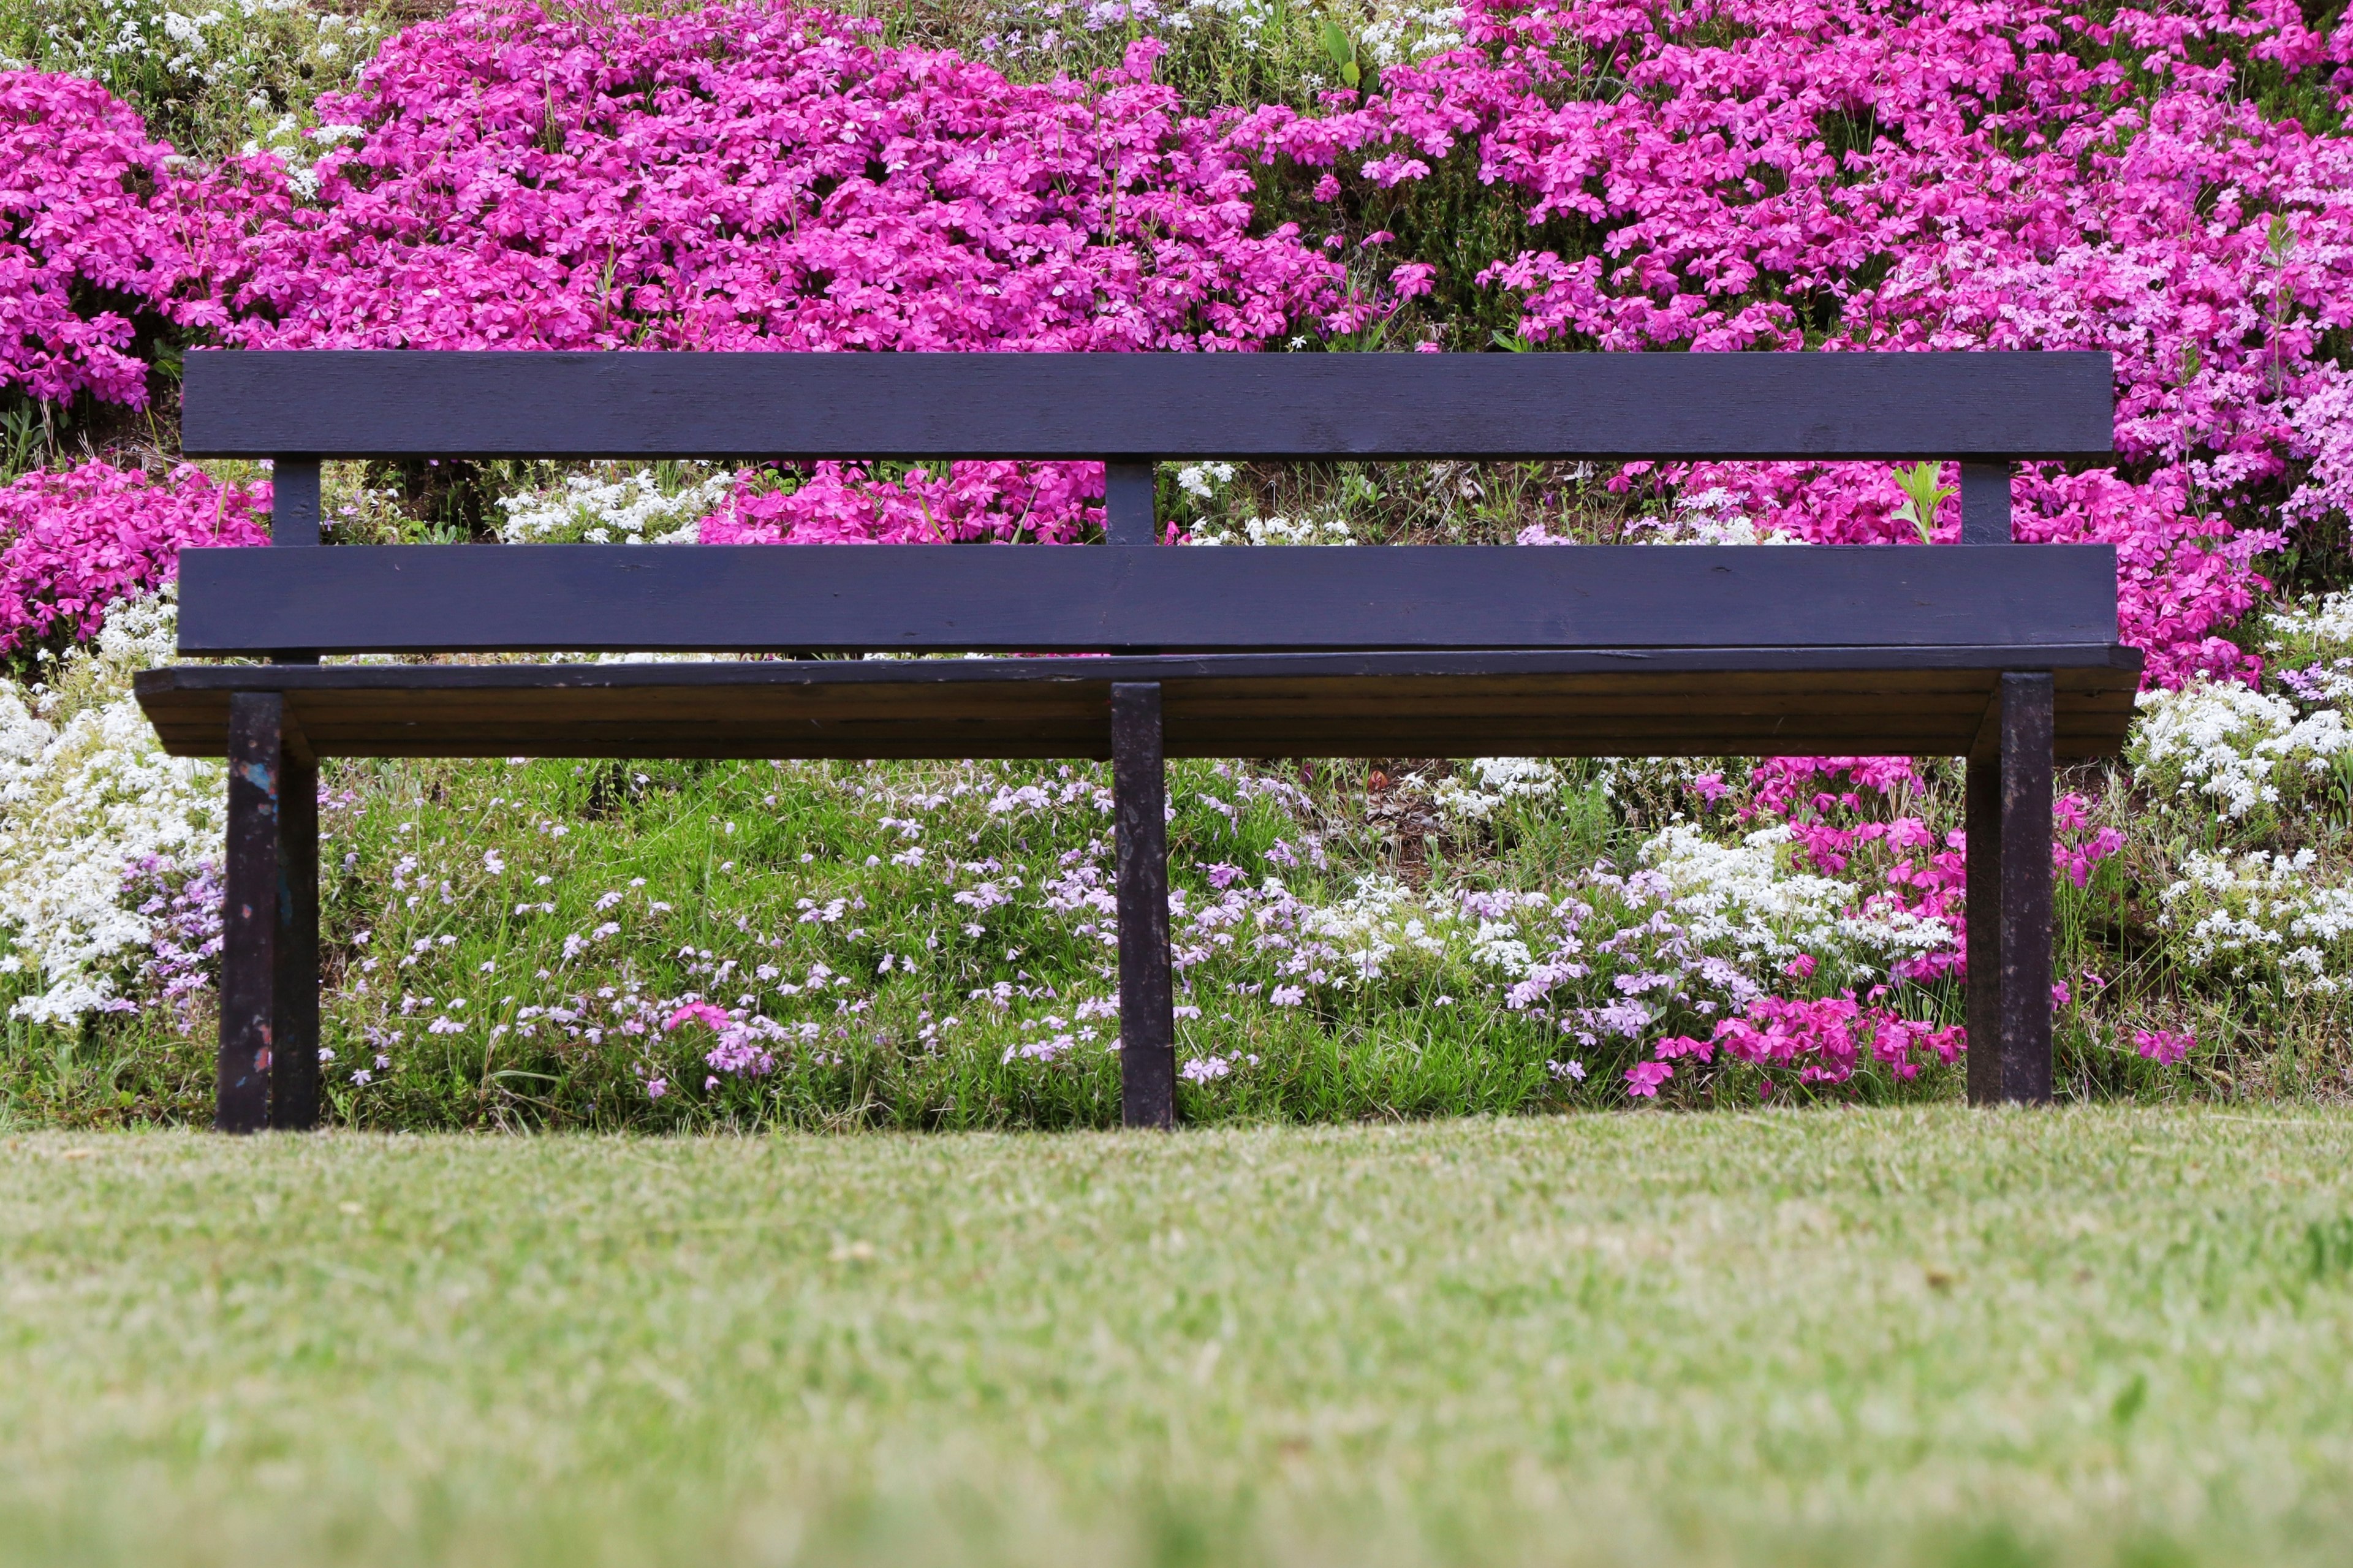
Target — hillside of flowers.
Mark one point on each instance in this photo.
(673, 945)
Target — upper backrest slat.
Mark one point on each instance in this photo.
(1490, 406)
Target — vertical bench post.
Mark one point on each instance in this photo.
(2009, 821)
(268, 1073)
(1147, 1019)
(2009, 786)
(1985, 503)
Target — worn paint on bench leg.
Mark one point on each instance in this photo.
(2010, 783)
(2026, 867)
(294, 984)
(1983, 821)
(250, 917)
(1147, 1019)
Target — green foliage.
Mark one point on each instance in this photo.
(1342, 48)
(1924, 491)
(25, 439)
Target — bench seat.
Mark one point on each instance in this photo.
(1924, 701)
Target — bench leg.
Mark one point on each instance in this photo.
(1147, 1019)
(2010, 785)
(269, 928)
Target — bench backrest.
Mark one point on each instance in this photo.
(1986, 410)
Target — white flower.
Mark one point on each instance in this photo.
(633, 509)
(1276, 531)
(1492, 781)
(85, 790)
(2230, 743)
(1747, 895)
(1201, 480)
(2263, 909)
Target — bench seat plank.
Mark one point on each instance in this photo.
(1681, 702)
(523, 598)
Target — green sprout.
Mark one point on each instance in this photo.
(1341, 45)
(1924, 491)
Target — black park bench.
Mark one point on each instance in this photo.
(2002, 653)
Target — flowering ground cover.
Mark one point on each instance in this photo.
(676, 946)
(1919, 1337)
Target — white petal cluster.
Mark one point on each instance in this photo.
(2327, 622)
(1487, 783)
(2235, 745)
(633, 509)
(1202, 482)
(1715, 517)
(2253, 914)
(1276, 530)
(1368, 926)
(85, 791)
(1411, 33)
(1748, 896)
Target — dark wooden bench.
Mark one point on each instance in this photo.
(2006, 656)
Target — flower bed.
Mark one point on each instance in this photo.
(2167, 184)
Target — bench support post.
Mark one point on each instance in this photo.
(270, 930)
(1147, 1019)
(1985, 503)
(2010, 785)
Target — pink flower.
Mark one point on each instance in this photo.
(699, 1012)
(1800, 967)
(2162, 1046)
(78, 540)
(1643, 1079)
(656, 1088)
(101, 237)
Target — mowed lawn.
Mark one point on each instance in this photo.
(1912, 1336)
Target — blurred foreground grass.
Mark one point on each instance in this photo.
(2105, 1336)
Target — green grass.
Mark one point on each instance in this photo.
(2104, 1336)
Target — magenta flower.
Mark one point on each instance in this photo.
(2163, 1046)
(78, 540)
(99, 236)
(1643, 1079)
(698, 1012)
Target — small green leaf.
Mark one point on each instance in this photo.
(1337, 44)
(1350, 74)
